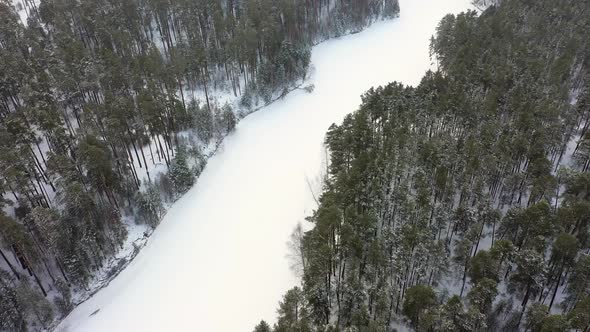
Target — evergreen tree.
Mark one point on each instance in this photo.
(180, 174)
(262, 327)
(293, 314)
(580, 315)
(150, 206)
(419, 300)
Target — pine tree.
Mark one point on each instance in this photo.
(11, 312)
(419, 300)
(580, 315)
(262, 327)
(180, 174)
(293, 314)
(150, 206)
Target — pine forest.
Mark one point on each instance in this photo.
(95, 93)
(463, 203)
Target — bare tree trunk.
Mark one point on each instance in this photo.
(556, 287)
(9, 265)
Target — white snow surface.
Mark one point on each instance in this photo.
(217, 262)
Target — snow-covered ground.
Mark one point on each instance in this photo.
(217, 262)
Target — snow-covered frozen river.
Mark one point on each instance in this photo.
(218, 261)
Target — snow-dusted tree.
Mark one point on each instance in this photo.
(482, 295)
(483, 266)
(14, 234)
(166, 187)
(580, 315)
(418, 301)
(452, 314)
(529, 275)
(262, 327)
(11, 312)
(180, 173)
(293, 313)
(555, 323)
(35, 307)
(578, 285)
(563, 256)
(502, 252)
(202, 121)
(63, 301)
(535, 315)
(149, 205)
(98, 164)
(225, 120)
(462, 258)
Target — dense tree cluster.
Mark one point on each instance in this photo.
(461, 204)
(94, 93)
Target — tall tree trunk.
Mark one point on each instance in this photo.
(204, 78)
(9, 264)
(147, 169)
(61, 269)
(464, 280)
(181, 94)
(556, 287)
(162, 151)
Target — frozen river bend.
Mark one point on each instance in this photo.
(217, 262)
